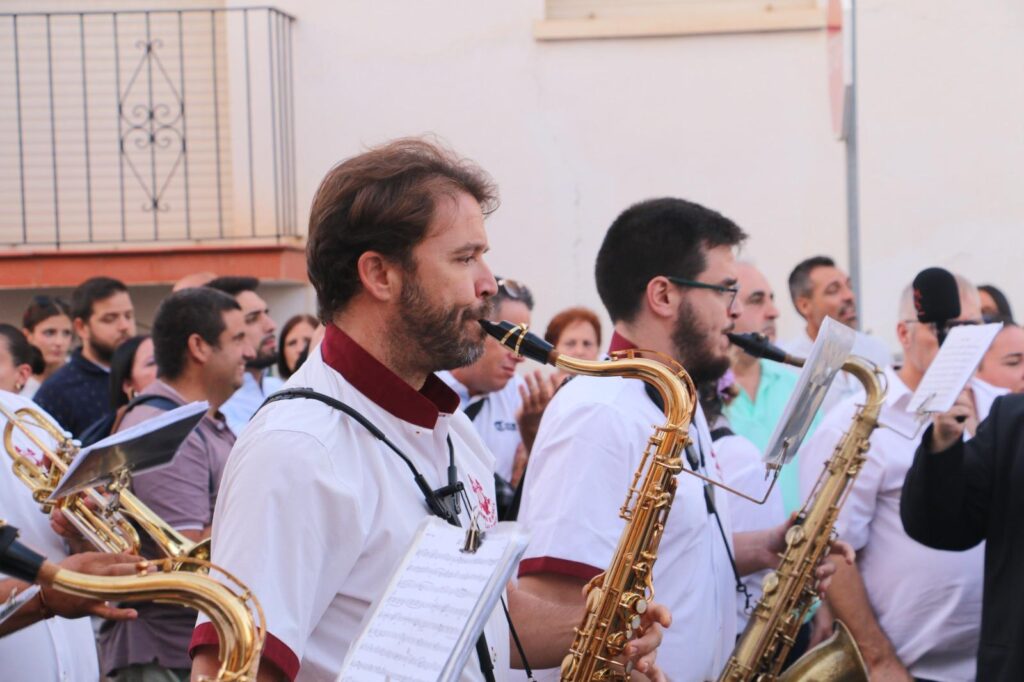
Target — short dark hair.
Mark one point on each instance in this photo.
(91, 290)
(233, 286)
(800, 279)
(383, 201)
(665, 236)
(22, 352)
(42, 308)
(999, 298)
(282, 366)
(121, 369)
(182, 314)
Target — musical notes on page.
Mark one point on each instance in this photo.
(425, 625)
(952, 368)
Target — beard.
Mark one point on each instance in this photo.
(263, 359)
(436, 332)
(695, 347)
(103, 351)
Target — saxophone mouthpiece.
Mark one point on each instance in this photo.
(524, 343)
(759, 346)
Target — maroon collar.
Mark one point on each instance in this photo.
(620, 342)
(378, 383)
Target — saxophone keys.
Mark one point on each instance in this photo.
(770, 583)
(795, 535)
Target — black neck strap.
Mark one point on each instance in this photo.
(434, 498)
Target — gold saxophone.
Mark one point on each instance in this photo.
(103, 523)
(235, 614)
(617, 598)
(788, 592)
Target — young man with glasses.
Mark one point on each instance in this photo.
(915, 612)
(666, 273)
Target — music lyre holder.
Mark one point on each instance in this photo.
(113, 460)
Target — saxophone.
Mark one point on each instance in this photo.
(788, 592)
(617, 598)
(235, 613)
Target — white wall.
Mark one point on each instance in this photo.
(575, 131)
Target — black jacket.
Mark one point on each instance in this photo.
(974, 491)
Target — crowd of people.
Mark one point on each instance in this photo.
(304, 506)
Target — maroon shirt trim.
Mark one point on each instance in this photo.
(275, 651)
(378, 383)
(620, 342)
(546, 564)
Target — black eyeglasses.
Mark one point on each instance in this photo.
(512, 288)
(729, 292)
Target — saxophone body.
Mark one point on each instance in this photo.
(788, 592)
(234, 612)
(617, 598)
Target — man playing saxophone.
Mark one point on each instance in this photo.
(314, 513)
(667, 276)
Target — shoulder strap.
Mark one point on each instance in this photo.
(433, 503)
(160, 402)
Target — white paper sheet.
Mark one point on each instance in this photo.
(831, 348)
(952, 368)
(11, 606)
(425, 625)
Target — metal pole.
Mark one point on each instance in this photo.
(852, 175)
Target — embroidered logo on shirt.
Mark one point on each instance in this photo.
(504, 426)
(488, 510)
(30, 454)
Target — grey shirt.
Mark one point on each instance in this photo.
(182, 493)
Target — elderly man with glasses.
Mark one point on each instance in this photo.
(915, 612)
(505, 409)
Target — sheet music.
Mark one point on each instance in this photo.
(830, 350)
(952, 368)
(425, 625)
(141, 447)
(11, 606)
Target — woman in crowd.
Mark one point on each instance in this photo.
(994, 303)
(19, 361)
(576, 332)
(295, 339)
(1003, 364)
(132, 369)
(47, 326)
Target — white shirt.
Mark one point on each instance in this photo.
(928, 601)
(590, 443)
(496, 420)
(845, 384)
(743, 469)
(242, 405)
(314, 513)
(55, 648)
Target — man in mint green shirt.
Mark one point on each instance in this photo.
(764, 386)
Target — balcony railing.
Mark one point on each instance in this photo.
(146, 126)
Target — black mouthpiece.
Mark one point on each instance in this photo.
(758, 346)
(17, 560)
(524, 343)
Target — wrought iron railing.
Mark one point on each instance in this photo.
(146, 126)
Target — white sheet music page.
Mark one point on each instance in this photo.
(425, 625)
(952, 368)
